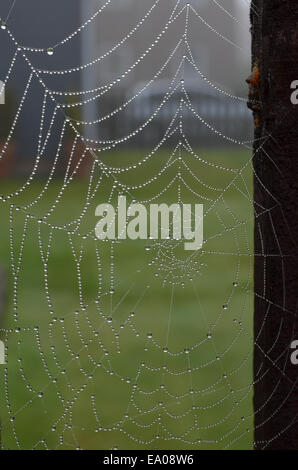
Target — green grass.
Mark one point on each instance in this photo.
(222, 415)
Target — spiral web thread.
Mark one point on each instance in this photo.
(150, 349)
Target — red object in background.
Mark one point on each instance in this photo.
(8, 160)
(77, 152)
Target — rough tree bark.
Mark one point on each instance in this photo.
(275, 67)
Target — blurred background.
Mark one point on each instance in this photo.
(220, 48)
(130, 345)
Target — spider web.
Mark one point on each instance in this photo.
(128, 344)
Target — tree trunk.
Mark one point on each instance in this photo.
(275, 67)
